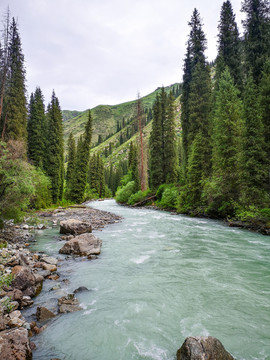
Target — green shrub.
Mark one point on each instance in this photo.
(160, 191)
(41, 197)
(252, 214)
(5, 279)
(138, 196)
(169, 197)
(124, 193)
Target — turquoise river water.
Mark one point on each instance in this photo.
(160, 278)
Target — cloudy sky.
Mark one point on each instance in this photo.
(104, 51)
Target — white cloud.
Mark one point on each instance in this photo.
(104, 51)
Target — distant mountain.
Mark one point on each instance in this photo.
(114, 126)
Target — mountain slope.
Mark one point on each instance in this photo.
(107, 117)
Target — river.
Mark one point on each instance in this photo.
(160, 278)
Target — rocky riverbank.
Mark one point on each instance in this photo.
(23, 272)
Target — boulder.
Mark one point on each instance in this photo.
(68, 304)
(15, 345)
(44, 314)
(23, 278)
(15, 295)
(75, 227)
(49, 260)
(202, 348)
(80, 289)
(49, 267)
(82, 245)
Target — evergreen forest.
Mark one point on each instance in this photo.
(200, 146)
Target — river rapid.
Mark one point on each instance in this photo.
(159, 279)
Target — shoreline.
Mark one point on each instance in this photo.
(24, 272)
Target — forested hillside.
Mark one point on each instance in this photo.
(202, 147)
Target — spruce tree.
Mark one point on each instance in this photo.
(70, 164)
(229, 53)
(196, 46)
(14, 114)
(36, 129)
(257, 35)
(264, 107)
(82, 162)
(170, 153)
(227, 139)
(54, 162)
(156, 146)
(255, 174)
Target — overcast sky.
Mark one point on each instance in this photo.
(95, 52)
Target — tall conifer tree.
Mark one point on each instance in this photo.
(54, 162)
(257, 35)
(156, 146)
(14, 115)
(36, 129)
(264, 106)
(227, 141)
(255, 175)
(70, 164)
(82, 162)
(170, 152)
(229, 53)
(196, 46)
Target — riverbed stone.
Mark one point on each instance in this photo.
(68, 304)
(202, 348)
(15, 345)
(82, 245)
(23, 277)
(49, 260)
(75, 227)
(49, 267)
(44, 314)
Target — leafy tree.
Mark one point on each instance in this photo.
(21, 185)
(36, 129)
(257, 35)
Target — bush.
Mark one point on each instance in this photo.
(22, 186)
(124, 193)
(252, 214)
(169, 194)
(42, 195)
(138, 196)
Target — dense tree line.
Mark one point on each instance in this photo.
(221, 164)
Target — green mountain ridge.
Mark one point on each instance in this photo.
(106, 117)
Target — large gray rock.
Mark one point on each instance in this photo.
(14, 345)
(202, 348)
(82, 245)
(75, 227)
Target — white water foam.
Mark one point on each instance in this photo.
(141, 259)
